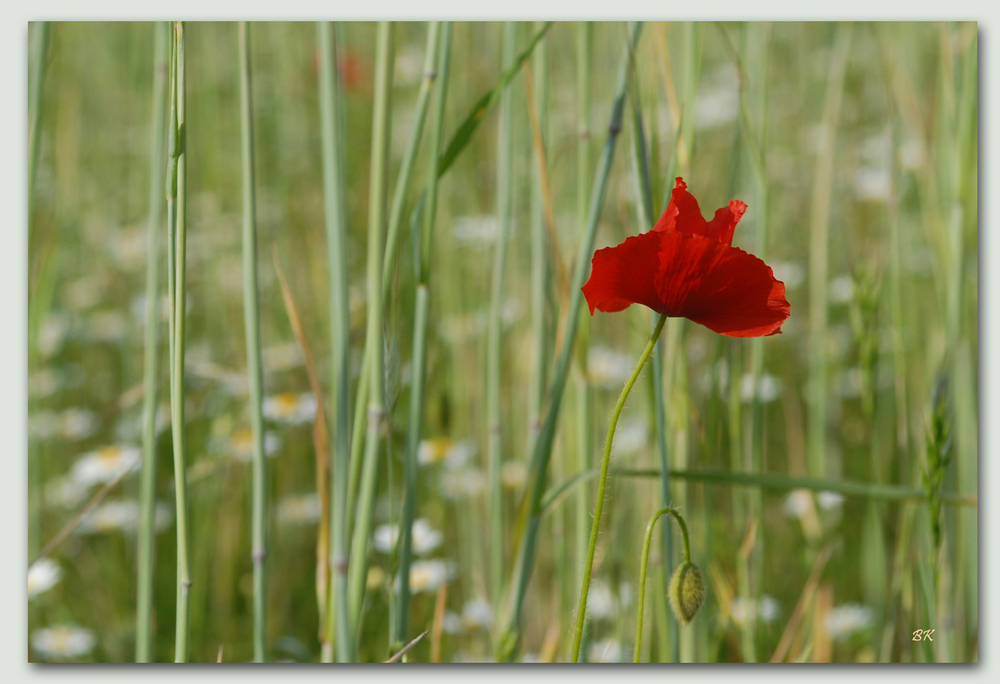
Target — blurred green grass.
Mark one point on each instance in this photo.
(904, 154)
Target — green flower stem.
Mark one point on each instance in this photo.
(358, 567)
(542, 452)
(176, 212)
(147, 532)
(602, 485)
(251, 310)
(645, 561)
(419, 361)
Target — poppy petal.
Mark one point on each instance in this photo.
(684, 216)
(625, 275)
(721, 287)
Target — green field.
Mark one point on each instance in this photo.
(828, 476)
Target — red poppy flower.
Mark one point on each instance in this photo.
(687, 267)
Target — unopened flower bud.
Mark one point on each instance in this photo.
(687, 592)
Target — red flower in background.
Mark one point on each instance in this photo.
(687, 267)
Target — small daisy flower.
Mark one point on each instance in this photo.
(845, 620)
(42, 576)
(841, 289)
(601, 601)
(75, 424)
(105, 464)
(513, 475)
(476, 231)
(607, 367)
(291, 408)
(282, 357)
(829, 500)
(63, 642)
(631, 436)
(768, 389)
(458, 484)
(797, 503)
(743, 611)
(452, 623)
(428, 575)
(790, 273)
(605, 651)
(425, 537)
(65, 492)
(241, 444)
(477, 615)
(123, 515)
(299, 509)
(52, 333)
(433, 451)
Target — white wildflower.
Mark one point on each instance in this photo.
(845, 620)
(768, 389)
(456, 484)
(605, 651)
(513, 475)
(428, 575)
(607, 367)
(299, 509)
(105, 464)
(477, 615)
(841, 289)
(829, 500)
(63, 642)
(288, 407)
(425, 537)
(241, 444)
(43, 574)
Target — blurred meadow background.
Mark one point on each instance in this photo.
(828, 475)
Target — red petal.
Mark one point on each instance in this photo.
(625, 274)
(721, 287)
(684, 216)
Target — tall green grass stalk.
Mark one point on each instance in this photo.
(754, 117)
(420, 327)
(147, 498)
(819, 229)
(494, 346)
(251, 309)
(38, 60)
(410, 155)
(539, 252)
(602, 485)
(584, 46)
(358, 567)
(177, 252)
(392, 239)
(647, 213)
(42, 284)
(542, 452)
(337, 629)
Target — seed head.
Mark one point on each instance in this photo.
(687, 592)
